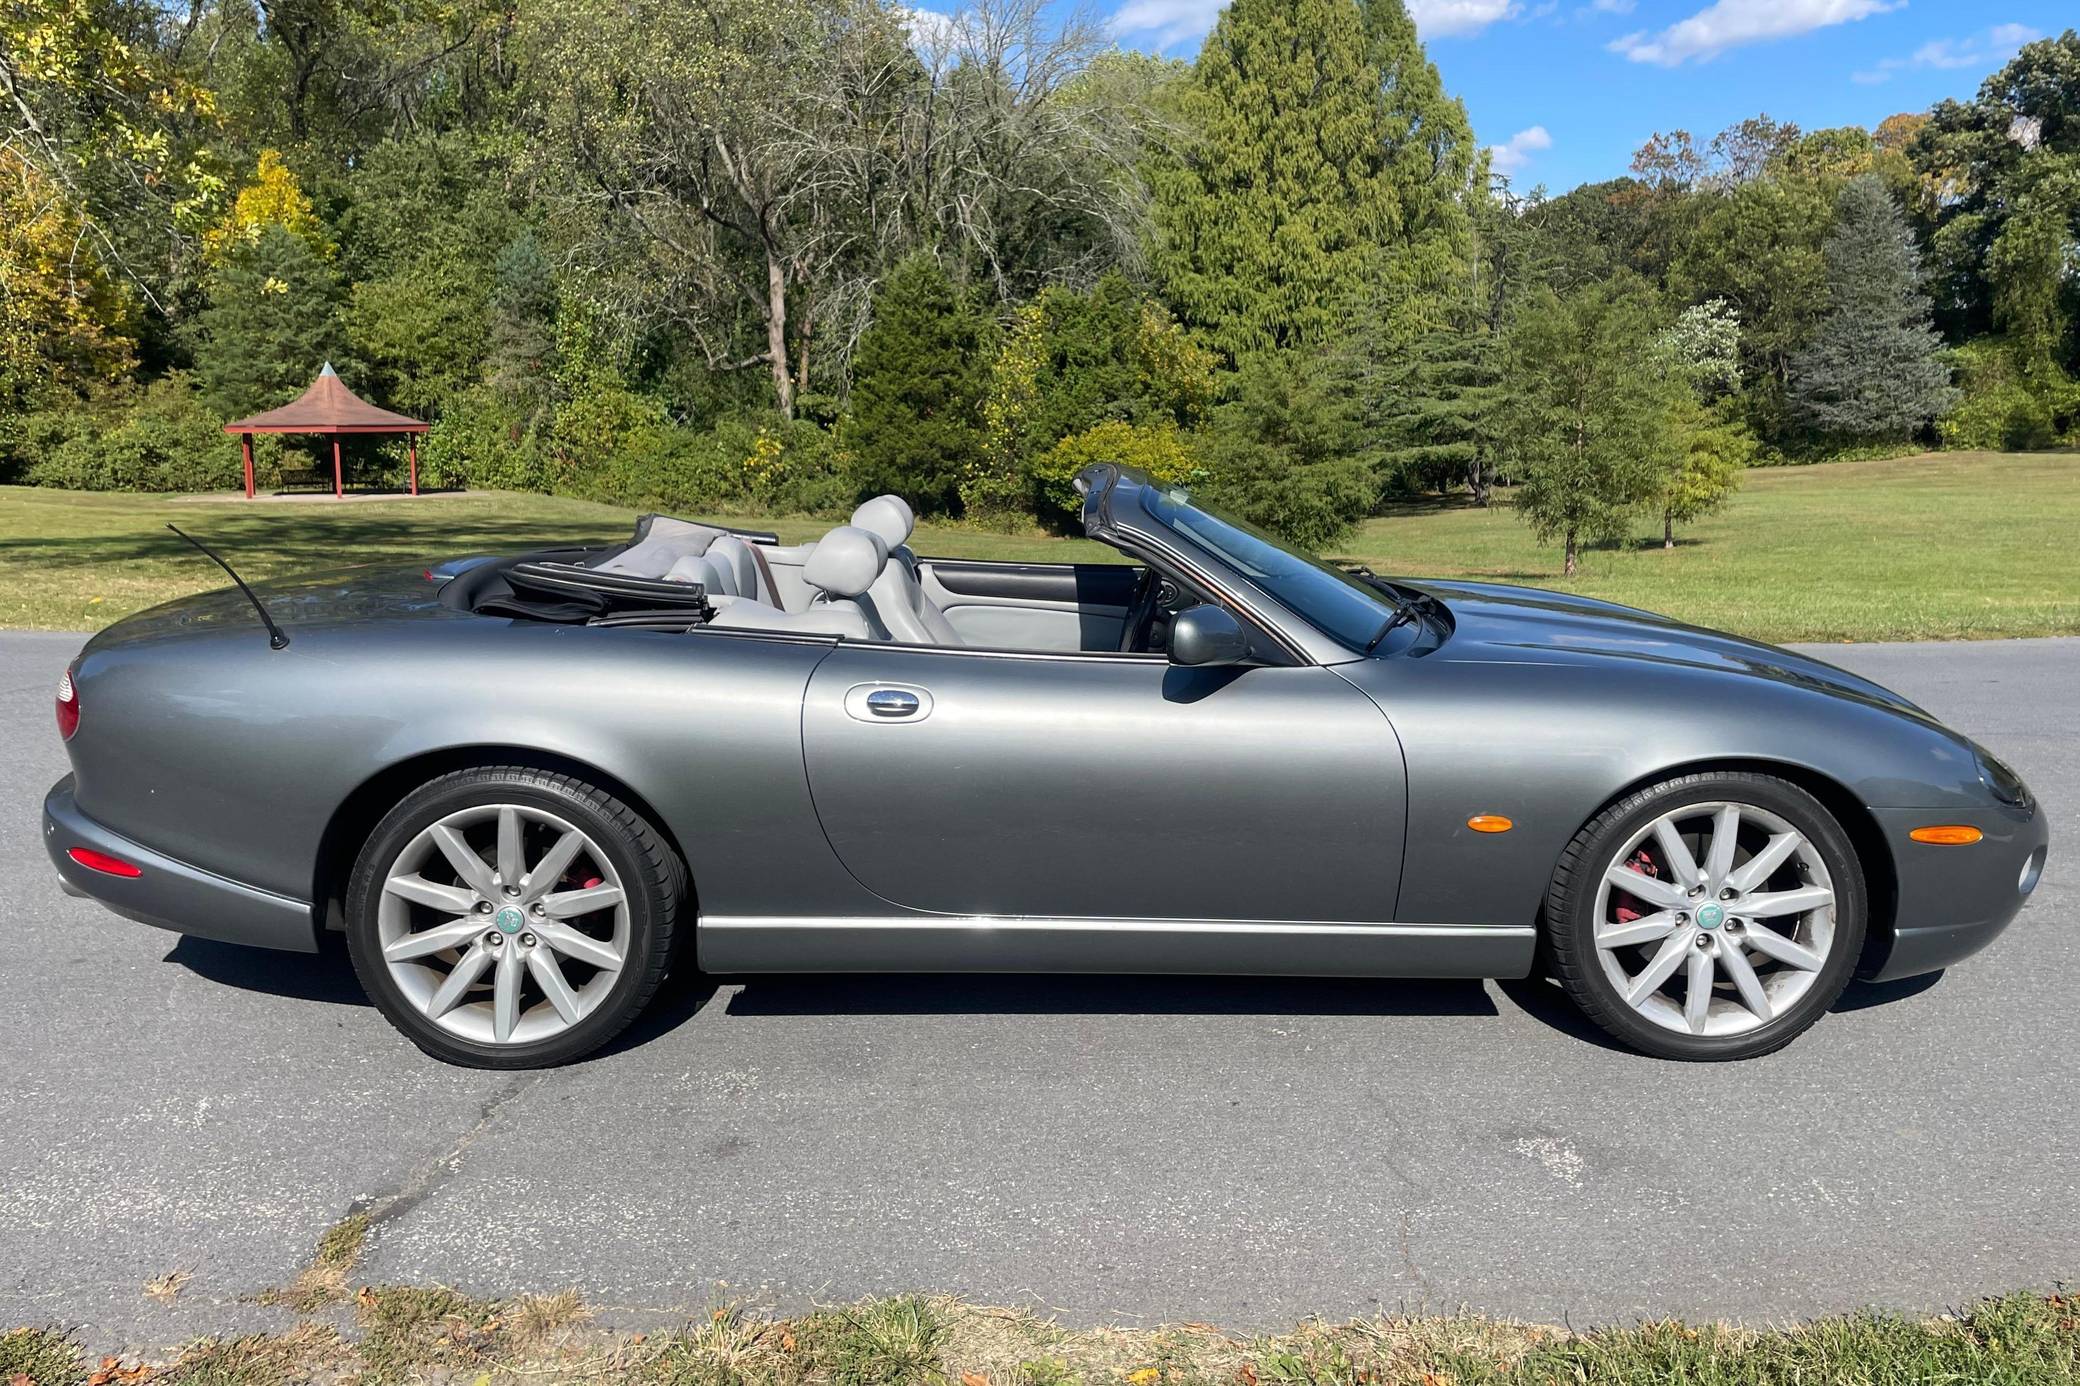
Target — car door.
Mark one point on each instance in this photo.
(1031, 606)
(1104, 786)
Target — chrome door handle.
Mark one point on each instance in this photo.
(892, 702)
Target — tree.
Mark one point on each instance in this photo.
(1758, 245)
(1269, 225)
(1071, 361)
(65, 326)
(1585, 428)
(1436, 413)
(1702, 350)
(271, 321)
(917, 389)
(1873, 371)
(1434, 167)
(1286, 450)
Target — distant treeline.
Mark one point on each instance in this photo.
(774, 254)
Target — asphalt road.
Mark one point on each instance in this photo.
(1121, 1150)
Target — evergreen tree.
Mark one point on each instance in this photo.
(1269, 228)
(1872, 371)
(1436, 413)
(272, 319)
(917, 389)
(1433, 166)
(1586, 428)
(1286, 450)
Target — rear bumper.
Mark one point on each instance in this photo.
(169, 894)
(1953, 901)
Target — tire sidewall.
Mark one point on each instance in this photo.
(1575, 938)
(450, 795)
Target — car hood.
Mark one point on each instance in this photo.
(1527, 625)
(370, 592)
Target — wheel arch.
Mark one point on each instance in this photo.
(359, 812)
(1880, 872)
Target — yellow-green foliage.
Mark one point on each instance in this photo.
(273, 198)
(63, 322)
(1162, 450)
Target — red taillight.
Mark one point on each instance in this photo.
(102, 861)
(68, 706)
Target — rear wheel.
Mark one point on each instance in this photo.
(508, 917)
(1712, 916)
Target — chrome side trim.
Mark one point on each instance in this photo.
(980, 943)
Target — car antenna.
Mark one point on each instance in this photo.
(276, 639)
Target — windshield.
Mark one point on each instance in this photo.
(1326, 597)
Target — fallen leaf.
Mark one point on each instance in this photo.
(974, 1379)
(165, 1287)
(787, 1340)
(1141, 1376)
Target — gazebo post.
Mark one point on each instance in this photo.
(411, 447)
(338, 491)
(245, 445)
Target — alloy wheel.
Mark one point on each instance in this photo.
(1714, 918)
(503, 924)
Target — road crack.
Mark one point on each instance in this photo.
(423, 1180)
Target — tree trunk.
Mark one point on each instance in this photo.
(1668, 529)
(1573, 555)
(1477, 482)
(776, 333)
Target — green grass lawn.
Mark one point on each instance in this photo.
(1943, 546)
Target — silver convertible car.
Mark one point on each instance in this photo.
(528, 787)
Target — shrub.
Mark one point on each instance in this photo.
(1163, 450)
(162, 439)
(481, 443)
(2005, 408)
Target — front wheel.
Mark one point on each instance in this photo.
(508, 917)
(1711, 916)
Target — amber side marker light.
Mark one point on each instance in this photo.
(1489, 823)
(1947, 835)
(101, 861)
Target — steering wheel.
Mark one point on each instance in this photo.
(1141, 615)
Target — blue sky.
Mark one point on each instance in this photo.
(1569, 88)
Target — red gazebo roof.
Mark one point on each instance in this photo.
(328, 406)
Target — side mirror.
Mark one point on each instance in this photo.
(1204, 636)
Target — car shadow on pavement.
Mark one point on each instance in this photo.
(1080, 994)
(325, 975)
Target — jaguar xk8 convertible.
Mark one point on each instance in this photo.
(528, 787)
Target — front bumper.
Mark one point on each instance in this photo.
(1953, 901)
(169, 894)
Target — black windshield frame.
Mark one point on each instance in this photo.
(1347, 609)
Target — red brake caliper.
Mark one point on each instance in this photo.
(1625, 907)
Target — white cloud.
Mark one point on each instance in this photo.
(1457, 18)
(930, 30)
(1731, 23)
(1982, 51)
(1613, 6)
(1513, 155)
(1167, 22)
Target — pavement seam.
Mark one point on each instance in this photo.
(420, 1184)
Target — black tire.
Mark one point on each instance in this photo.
(1571, 906)
(656, 888)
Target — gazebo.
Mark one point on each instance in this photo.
(328, 407)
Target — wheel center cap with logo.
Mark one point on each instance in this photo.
(1708, 917)
(509, 920)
